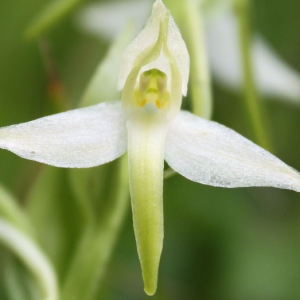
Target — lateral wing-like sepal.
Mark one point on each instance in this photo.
(79, 138)
(210, 153)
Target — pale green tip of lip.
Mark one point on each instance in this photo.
(150, 289)
(150, 277)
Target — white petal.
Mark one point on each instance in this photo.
(223, 49)
(274, 77)
(147, 39)
(77, 138)
(177, 48)
(146, 141)
(210, 153)
(108, 19)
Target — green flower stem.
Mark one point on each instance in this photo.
(251, 98)
(188, 13)
(52, 14)
(97, 243)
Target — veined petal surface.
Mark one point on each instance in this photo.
(210, 153)
(79, 138)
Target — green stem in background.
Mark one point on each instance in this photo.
(188, 14)
(97, 242)
(55, 87)
(52, 14)
(242, 9)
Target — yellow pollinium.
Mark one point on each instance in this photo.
(152, 89)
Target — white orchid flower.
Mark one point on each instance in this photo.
(149, 124)
(274, 77)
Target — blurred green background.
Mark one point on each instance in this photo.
(234, 244)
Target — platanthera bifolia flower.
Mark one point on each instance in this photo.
(148, 124)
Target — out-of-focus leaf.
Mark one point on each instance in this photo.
(18, 284)
(32, 257)
(10, 210)
(88, 186)
(54, 215)
(97, 242)
(103, 85)
(51, 15)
